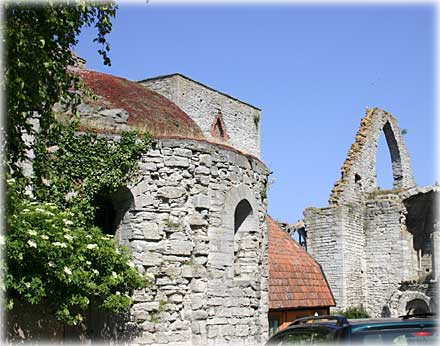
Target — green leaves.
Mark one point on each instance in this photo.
(52, 257)
(54, 253)
(39, 39)
(84, 165)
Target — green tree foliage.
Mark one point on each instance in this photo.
(55, 254)
(38, 43)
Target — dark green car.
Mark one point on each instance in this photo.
(406, 330)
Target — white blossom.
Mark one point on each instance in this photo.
(31, 243)
(95, 271)
(91, 246)
(45, 237)
(88, 236)
(130, 264)
(32, 232)
(88, 263)
(68, 196)
(67, 271)
(67, 222)
(27, 284)
(53, 148)
(118, 293)
(50, 264)
(57, 243)
(114, 274)
(68, 237)
(45, 181)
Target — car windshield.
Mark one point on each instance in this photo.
(412, 336)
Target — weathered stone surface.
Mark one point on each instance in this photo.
(365, 240)
(170, 192)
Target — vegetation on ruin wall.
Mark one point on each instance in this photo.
(354, 312)
(54, 253)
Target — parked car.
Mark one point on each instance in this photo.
(331, 329)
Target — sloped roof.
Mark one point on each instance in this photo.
(295, 278)
(147, 109)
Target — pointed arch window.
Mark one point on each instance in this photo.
(218, 128)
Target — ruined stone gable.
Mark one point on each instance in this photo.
(371, 242)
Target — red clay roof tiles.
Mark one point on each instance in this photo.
(295, 278)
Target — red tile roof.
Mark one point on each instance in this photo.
(295, 278)
(147, 109)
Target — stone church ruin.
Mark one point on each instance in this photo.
(376, 246)
(195, 220)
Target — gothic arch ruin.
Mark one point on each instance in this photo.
(372, 242)
(358, 173)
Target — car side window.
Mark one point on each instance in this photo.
(304, 336)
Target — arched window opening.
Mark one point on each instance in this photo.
(111, 209)
(384, 169)
(417, 306)
(245, 241)
(242, 212)
(218, 128)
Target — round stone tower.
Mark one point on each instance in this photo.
(194, 216)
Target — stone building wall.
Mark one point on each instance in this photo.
(198, 227)
(324, 231)
(389, 253)
(365, 239)
(241, 121)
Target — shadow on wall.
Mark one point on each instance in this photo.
(35, 324)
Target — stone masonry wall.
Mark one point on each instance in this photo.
(336, 240)
(390, 254)
(324, 242)
(203, 104)
(181, 233)
(355, 242)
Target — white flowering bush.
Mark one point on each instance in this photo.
(52, 259)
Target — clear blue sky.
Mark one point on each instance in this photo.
(312, 70)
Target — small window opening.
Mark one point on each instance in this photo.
(242, 212)
(111, 209)
(357, 178)
(218, 128)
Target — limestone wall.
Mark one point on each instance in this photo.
(325, 241)
(336, 240)
(204, 105)
(209, 264)
(389, 252)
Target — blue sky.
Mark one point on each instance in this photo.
(312, 70)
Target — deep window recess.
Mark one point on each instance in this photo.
(111, 209)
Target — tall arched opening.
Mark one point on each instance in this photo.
(245, 226)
